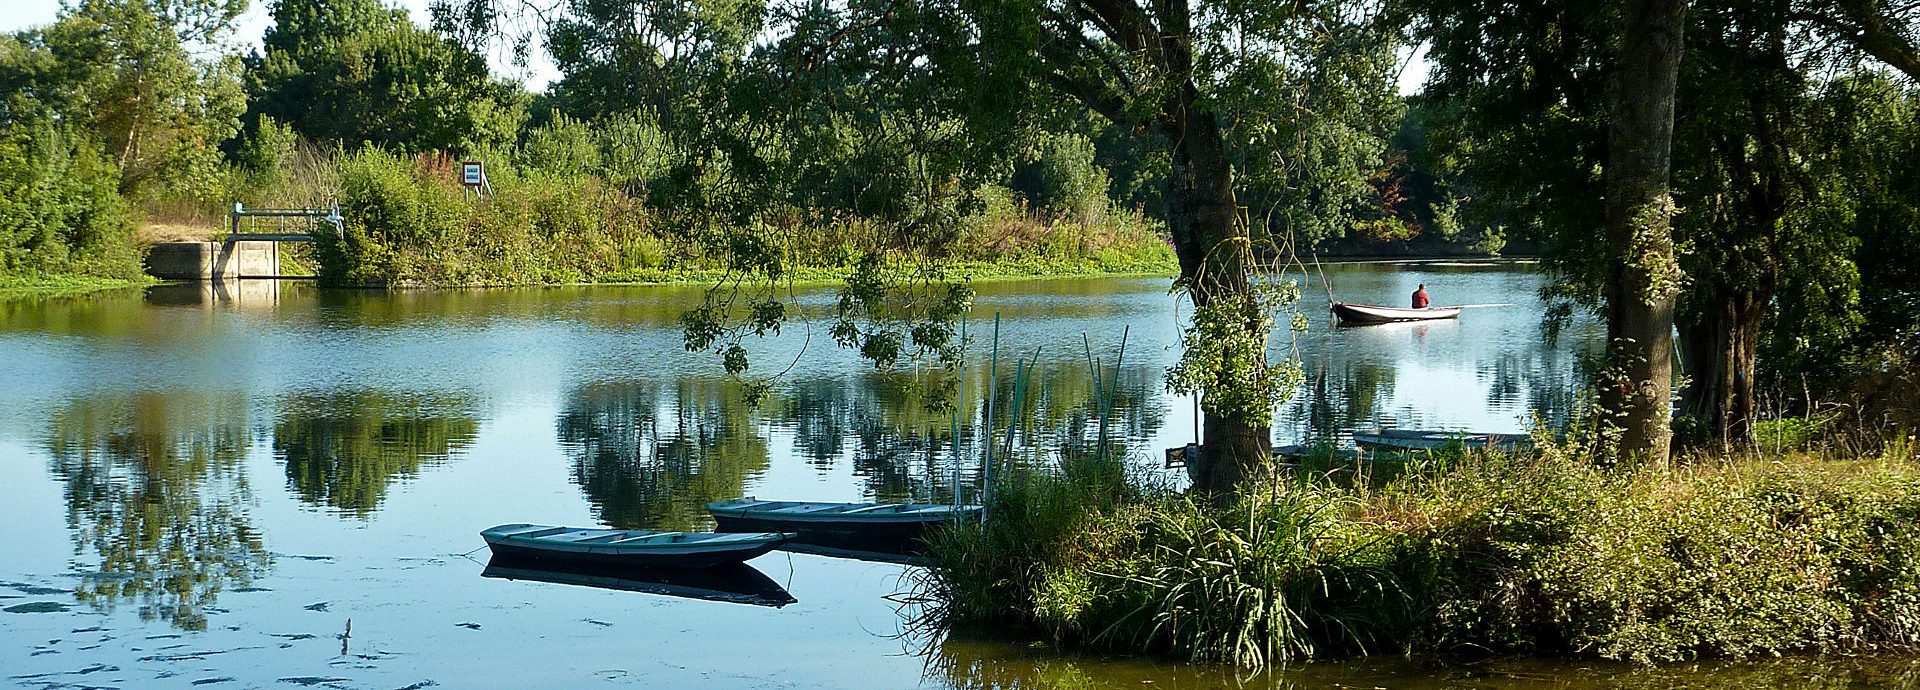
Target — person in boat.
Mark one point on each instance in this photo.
(1420, 297)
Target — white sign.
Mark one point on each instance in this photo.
(471, 174)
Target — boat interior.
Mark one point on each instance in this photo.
(811, 508)
(612, 536)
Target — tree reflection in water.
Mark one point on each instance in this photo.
(991, 664)
(645, 463)
(343, 449)
(157, 497)
(648, 462)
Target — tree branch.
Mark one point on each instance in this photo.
(1866, 25)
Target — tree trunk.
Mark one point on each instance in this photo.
(1214, 251)
(1719, 351)
(1643, 278)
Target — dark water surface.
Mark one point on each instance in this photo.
(269, 485)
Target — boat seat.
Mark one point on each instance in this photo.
(521, 530)
(648, 537)
(875, 508)
(807, 508)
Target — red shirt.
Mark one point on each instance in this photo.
(1420, 299)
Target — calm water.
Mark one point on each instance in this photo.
(274, 486)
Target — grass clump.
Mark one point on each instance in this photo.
(1536, 554)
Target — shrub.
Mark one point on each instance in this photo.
(1550, 554)
(409, 224)
(60, 208)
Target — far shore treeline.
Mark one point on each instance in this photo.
(691, 140)
(126, 122)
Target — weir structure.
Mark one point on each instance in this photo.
(249, 250)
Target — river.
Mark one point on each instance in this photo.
(270, 485)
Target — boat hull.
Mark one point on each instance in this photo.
(1411, 439)
(598, 548)
(1363, 314)
(733, 516)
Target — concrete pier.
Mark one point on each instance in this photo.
(214, 260)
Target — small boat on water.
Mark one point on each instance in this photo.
(1369, 314)
(733, 583)
(1416, 439)
(868, 519)
(622, 547)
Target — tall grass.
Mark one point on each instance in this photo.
(1542, 554)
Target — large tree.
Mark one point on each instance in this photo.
(122, 71)
(1643, 278)
(358, 71)
(1764, 231)
(1226, 91)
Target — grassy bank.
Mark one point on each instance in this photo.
(1733, 557)
(21, 287)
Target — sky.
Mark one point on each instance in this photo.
(21, 14)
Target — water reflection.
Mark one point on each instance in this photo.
(987, 665)
(157, 501)
(736, 583)
(342, 449)
(1334, 401)
(647, 462)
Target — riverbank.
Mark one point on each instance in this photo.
(1736, 557)
(16, 287)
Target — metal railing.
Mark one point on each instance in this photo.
(284, 217)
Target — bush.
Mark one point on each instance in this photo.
(1736, 558)
(409, 224)
(60, 208)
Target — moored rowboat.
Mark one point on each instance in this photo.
(644, 548)
(1414, 439)
(868, 519)
(1367, 313)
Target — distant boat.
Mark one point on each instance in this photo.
(734, 583)
(865, 519)
(642, 548)
(1415, 439)
(1367, 313)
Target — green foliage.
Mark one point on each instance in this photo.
(1550, 554)
(409, 223)
(1220, 346)
(121, 71)
(60, 208)
(1063, 178)
(1787, 180)
(1736, 559)
(357, 71)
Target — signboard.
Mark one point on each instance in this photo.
(472, 175)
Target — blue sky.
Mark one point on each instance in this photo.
(21, 14)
